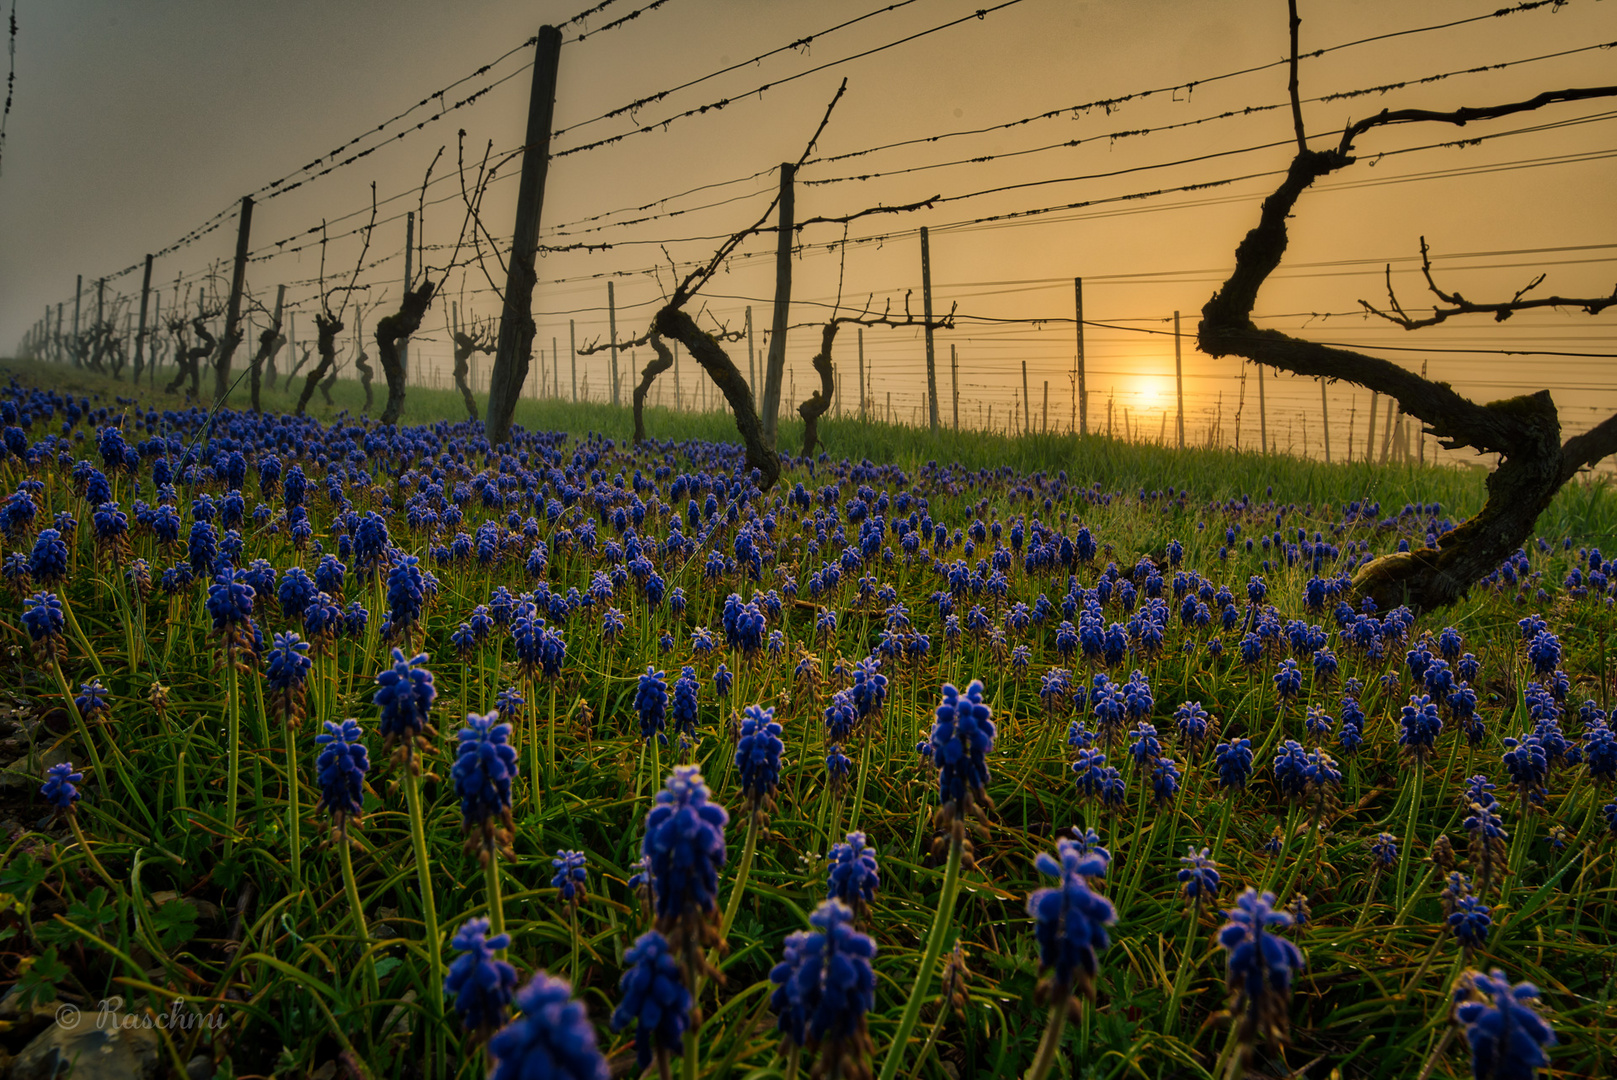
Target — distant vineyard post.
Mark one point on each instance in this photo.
(931, 363)
(517, 327)
(140, 339)
(78, 297)
(775, 368)
(238, 276)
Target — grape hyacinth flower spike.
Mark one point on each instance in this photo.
(1507, 1037)
(758, 759)
(1070, 921)
(480, 984)
(961, 739)
(61, 788)
(655, 999)
(342, 765)
(286, 670)
(853, 875)
(405, 695)
(824, 987)
(1260, 968)
(45, 621)
(552, 1039)
(1199, 877)
(685, 850)
(484, 768)
(570, 876)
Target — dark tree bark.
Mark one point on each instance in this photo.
(269, 343)
(328, 382)
(297, 366)
(191, 366)
(465, 345)
(329, 326)
(661, 362)
(674, 323)
(819, 401)
(392, 332)
(1525, 431)
(361, 363)
(221, 364)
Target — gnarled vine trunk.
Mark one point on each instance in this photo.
(819, 401)
(1524, 430)
(329, 326)
(661, 362)
(672, 322)
(391, 333)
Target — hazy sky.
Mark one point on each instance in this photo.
(135, 122)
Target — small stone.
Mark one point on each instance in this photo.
(94, 1045)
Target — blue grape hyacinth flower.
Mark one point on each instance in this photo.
(485, 765)
(553, 1039)
(758, 758)
(655, 999)
(405, 695)
(853, 875)
(341, 768)
(61, 787)
(684, 848)
(838, 767)
(1199, 877)
(571, 874)
(1507, 1037)
(1260, 967)
(1070, 921)
(45, 620)
(651, 705)
(824, 987)
(286, 669)
(961, 739)
(1470, 922)
(1234, 762)
(480, 984)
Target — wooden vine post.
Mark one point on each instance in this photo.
(517, 327)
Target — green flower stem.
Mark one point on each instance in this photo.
(1409, 828)
(1224, 824)
(530, 724)
(1308, 852)
(1184, 969)
(691, 1068)
(742, 872)
(859, 792)
(233, 712)
(78, 634)
(357, 911)
(294, 809)
(550, 739)
(84, 845)
(1051, 1042)
(418, 837)
(929, 959)
(572, 918)
(496, 906)
(1369, 897)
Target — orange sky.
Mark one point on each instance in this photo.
(131, 128)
